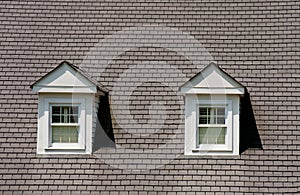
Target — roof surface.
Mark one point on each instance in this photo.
(257, 42)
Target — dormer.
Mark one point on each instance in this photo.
(212, 100)
(66, 110)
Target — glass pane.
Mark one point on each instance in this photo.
(74, 110)
(55, 118)
(220, 115)
(212, 135)
(221, 111)
(56, 110)
(203, 111)
(74, 118)
(221, 120)
(64, 134)
(202, 120)
(55, 114)
(211, 116)
(65, 114)
(66, 110)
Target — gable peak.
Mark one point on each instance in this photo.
(212, 80)
(66, 77)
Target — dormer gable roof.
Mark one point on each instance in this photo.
(67, 78)
(212, 80)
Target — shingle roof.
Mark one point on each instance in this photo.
(256, 42)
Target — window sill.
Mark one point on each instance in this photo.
(64, 151)
(214, 153)
(211, 150)
(63, 155)
(65, 148)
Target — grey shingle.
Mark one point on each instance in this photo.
(256, 42)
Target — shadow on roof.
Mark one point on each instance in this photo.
(249, 135)
(104, 136)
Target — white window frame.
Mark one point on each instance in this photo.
(228, 124)
(86, 109)
(79, 124)
(191, 145)
(49, 102)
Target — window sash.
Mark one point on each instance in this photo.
(212, 115)
(227, 144)
(65, 112)
(212, 135)
(83, 145)
(64, 134)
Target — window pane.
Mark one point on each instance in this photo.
(221, 111)
(202, 120)
(65, 114)
(74, 110)
(56, 110)
(204, 113)
(212, 135)
(56, 114)
(220, 115)
(64, 134)
(221, 120)
(55, 118)
(73, 118)
(211, 115)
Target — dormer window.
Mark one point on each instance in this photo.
(66, 107)
(212, 101)
(214, 119)
(212, 125)
(65, 123)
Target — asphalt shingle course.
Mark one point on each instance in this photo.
(256, 42)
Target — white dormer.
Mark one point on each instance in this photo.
(66, 110)
(212, 99)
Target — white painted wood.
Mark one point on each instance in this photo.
(64, 79)
(238, 91)
(231, 147)
(212, 80)
(84, 146)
